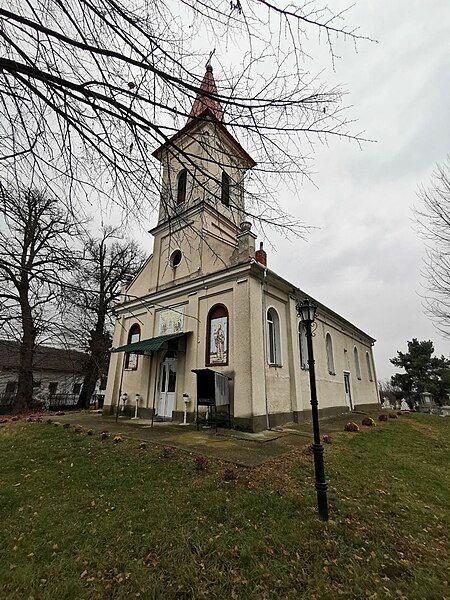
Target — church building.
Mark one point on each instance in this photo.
(206, 298)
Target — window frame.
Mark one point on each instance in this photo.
(214, 309)
(182, 186)
(225, 188)
(134, 330)
(273, 326)
(357, 363)
(369, 366)
(303, 346)
(172, 257)
(330, 354)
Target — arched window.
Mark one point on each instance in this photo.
(369, 367)
(330, 358)
(273, 338)
(225, 192)
(181, 186)
(303, 346)
(131, 358)
(217, 336)
(357, 365)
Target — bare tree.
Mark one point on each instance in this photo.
(90, 297)
(90, 87)
(35, 258)
(389, 393)
(433, 218)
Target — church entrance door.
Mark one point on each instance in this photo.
(348, 393)
(167, 385)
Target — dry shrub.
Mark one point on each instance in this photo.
(351, 426)
(201, 463)
(229, 475)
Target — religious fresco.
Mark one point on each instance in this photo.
(218, 341)
(171, 321)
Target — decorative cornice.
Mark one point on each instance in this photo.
(251, 268)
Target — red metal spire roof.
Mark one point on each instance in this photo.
(203, 101)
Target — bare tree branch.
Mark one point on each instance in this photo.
(433, 220)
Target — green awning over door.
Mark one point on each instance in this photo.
(150, 345)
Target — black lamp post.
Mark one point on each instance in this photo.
(306, 310)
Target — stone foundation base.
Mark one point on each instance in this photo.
(178, 416)
(254, 423)
(143, 413)
(258, 423)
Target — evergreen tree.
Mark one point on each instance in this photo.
(423, 373)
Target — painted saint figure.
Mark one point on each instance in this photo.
(219, 338)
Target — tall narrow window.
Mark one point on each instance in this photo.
(357, 365)
(181, 187)
(369, 367)
(273, 338)
(225, 193)
(217, 336)
(131, 358)
(303, 346)
(330, 358)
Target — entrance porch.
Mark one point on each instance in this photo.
(150, 389)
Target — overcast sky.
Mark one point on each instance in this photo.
(364, 259)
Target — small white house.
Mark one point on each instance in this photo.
(57, 375)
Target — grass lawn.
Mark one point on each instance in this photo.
(85, 518)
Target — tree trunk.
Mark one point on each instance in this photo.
(24, 395)
(88, 387)
(95, 366)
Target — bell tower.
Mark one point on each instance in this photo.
(203, 162)
(202, 190)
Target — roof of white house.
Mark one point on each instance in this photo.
(47, 358)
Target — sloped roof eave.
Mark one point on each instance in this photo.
(259, 268)
(205, 117)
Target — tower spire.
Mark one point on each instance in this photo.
(203, 102)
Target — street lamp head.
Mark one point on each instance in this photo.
(306, 310)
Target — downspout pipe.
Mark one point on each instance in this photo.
(264, 310)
